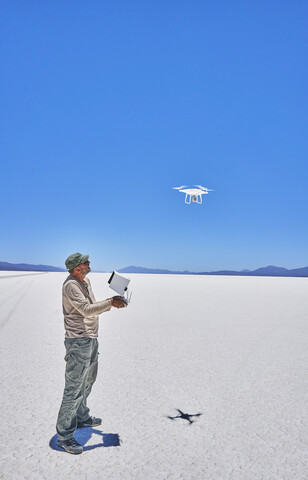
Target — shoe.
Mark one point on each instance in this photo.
(70, 446)
(90, 422)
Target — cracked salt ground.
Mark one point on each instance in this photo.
(231, 348)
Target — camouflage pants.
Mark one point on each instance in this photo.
(80, 374)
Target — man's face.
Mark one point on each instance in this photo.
(84, 268)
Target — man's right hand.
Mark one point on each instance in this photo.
(118, 302)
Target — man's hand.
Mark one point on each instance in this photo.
(118, 302)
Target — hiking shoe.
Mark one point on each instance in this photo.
(90, 422)
(70, 446)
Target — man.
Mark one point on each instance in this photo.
(81, 312)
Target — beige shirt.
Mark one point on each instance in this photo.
(80, 308)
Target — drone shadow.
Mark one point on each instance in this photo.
(185, 416)
(83, 435)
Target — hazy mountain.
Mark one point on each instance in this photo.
(29, 267)
(299, 272)
(133, 269)
(269, 271)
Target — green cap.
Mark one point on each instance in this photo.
(75, 259)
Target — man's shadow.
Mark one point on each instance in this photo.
(83, 435)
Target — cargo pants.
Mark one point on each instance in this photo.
(80, 374)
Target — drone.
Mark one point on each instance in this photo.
(193, 194)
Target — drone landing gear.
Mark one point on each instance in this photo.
(193, 198)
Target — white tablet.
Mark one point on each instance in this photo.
(118, 283)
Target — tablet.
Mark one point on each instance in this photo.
(118, 283)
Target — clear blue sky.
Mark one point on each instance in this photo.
(106, 105)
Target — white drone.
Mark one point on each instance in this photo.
(193, 194)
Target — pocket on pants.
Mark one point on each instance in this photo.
(80, 348)
(75, 369)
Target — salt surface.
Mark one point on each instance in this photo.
(231, 348)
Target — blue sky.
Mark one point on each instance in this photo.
(106, 105)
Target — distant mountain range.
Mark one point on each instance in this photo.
(270, 271)
(27, 267)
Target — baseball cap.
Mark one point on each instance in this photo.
(75, 259)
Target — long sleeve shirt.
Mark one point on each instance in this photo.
(80, 308)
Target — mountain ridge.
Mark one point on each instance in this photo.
(27, 267)
(269, 271)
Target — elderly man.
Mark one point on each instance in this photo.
(81, 312)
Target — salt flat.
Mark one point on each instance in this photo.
(231, 348)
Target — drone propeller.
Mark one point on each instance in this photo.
(204, 188)
(179, 188)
